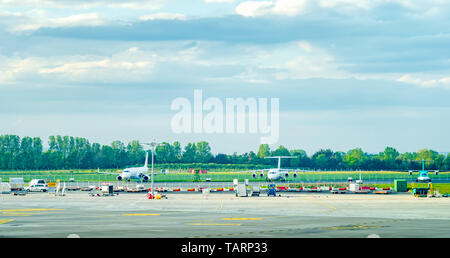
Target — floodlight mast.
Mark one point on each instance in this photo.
(153, 145)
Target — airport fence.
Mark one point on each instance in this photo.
(217, 177)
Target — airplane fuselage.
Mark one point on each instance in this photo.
(134, 173)
(275, 174)
(423, 176)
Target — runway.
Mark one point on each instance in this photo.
(223, 215)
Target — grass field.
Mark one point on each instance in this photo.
(92, 175)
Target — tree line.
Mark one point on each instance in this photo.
(67, 152)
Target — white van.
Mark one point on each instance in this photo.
(37, 185)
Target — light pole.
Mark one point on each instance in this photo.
(153, 146)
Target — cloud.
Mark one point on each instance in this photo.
(302, 60)
(355, 7)
(77, 20)
(163, 16)
(431, 83)
(83, 4)
(129, 65)
(254, 8)
(279, 7)
(219, 1)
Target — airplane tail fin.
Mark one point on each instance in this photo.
(279, 159)
(146, 160)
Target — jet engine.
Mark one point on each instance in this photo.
(119, 178)
(145, 178)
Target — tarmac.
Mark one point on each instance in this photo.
(223, 215)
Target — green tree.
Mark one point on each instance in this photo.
(37, 152)
(189, 154)
(203, 154)
(165, 153)
(264, 151)
(26, 155)
(355, 158)
(10, 151)
(221, 159)
(135, 153)
(323, 159)
(389, 157)
(177, 152)
(433, 160)
(119, 154)
(446, 165)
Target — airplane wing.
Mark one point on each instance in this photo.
(107, 173)
(416, 171)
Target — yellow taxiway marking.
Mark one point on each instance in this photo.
(17, 214)
(141, 214)
(19, 210)
(350, 227)
(325, 204)
(3, 221)
(213, 224)
(242, 219)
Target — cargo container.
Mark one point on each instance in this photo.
(400, 185)
(353, 187)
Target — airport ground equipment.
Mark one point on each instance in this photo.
(433, 193)
(420, 191)
(241, 190)
(363, 190)
(341, 190)
(156, 196)
(256, 191)
(60, 191)
(16, 183)
(5, 188)
(206, 192)
(271, 190)
(99, 192)
(108, 190)
(353, 187)
(400, 185)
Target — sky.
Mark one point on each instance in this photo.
(348, 73)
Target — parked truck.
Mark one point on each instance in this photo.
(16, 184)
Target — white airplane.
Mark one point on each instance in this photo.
(139, 173)
(278, 173)
(423, 174)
